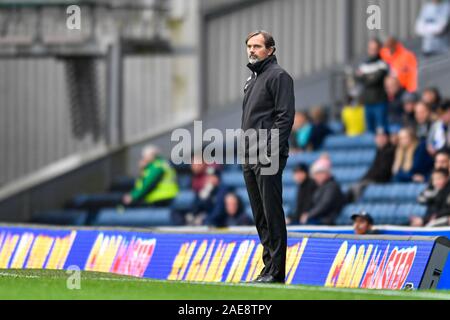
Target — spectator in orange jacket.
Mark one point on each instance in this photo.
(403, 63)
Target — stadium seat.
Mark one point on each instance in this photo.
(349, 175)
(134, 217)
(184, 200)
(365, 141)
(243, 194)
(384, 213)
(184, 181)
(394, 192)
(290, 196)
(340, 158)
(233, 179)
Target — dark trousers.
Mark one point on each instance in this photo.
(265, 194)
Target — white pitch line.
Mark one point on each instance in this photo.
(414, 294)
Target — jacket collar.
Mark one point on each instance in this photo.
(261, 66)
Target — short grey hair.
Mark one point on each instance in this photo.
(150, 150)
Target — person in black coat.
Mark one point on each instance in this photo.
(269, 105)
(327, 200)
(234, 212)
(320, 129)
(371, 75)
(305, 192)
(381, 169)
(438, 205)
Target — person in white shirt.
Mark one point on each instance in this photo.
(432, 26)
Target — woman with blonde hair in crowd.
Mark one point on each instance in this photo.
(412, 161)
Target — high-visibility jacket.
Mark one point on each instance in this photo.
(403, 65)
(157, 182)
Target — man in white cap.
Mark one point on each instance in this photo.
(328, 198)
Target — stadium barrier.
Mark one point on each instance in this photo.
(332, 260)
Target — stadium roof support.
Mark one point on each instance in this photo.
(38, 28)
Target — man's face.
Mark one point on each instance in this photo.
(439, 181)
(391, 85)
(421, 113)
(409, 107)
(299, 176)
(445, 117)
(441, 161)
(391, 44)
(231, 205)
(256, 49)
(321, 177)
(381, 140)
(429, 97)
(373, 49)
(361, 226)
(146, 158)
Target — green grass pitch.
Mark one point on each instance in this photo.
(46, 284)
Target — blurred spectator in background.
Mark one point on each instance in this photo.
(381, 169)
(438, 205)
(395, 94)
(232, 214)
(209, 201)
(402, 62)
(438, 137)
(432, 97)
(371, 75)
(199, 174)
(305, 191)
(363, 223)
(301, 132)
(353, 117)
(432, 26)
(320, 128)
(423, 122)
(412, 161)
(408, 101)
(157, 182)
(328, 199)
(441, 161)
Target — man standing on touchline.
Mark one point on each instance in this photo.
(269, 104)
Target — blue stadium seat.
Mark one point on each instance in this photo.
(362, 157)
(134, 217)
(184, 181)
(336, 126)
(233, 179)
(184, 200)
(349, 175)
(335, 142)
(290, 196)
(302, 157)
(243, 194)
(340, 158)
(384, 213)
(393, 192)
(248, 210)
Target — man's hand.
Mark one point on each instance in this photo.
(288, 221)
(304, 218)
(127, 199)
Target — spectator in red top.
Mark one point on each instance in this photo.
(403, 63)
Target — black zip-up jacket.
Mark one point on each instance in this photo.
(269, 102)
(374, 70)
